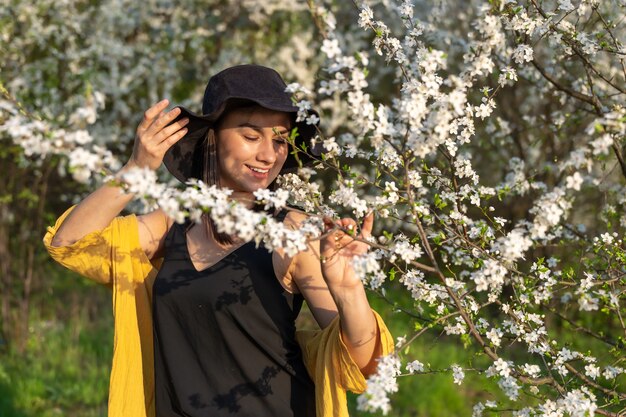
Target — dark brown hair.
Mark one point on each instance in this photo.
(210, 176)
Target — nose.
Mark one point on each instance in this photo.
(267, 152)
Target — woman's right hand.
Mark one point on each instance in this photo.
(155, 135)
(96, 211)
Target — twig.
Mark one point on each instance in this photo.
(604, 339)
(567, 90)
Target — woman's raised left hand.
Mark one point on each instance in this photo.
(341, 243)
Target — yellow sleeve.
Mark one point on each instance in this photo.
(331, 367)
(95, 255)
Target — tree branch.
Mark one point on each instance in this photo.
(567, 90)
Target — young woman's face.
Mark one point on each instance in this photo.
(252, 148)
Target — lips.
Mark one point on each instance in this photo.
(259, 172)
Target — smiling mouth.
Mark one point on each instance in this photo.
(258, 170)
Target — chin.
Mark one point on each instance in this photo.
(247, 185)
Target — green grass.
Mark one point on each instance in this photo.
(432, 395)
(64, 371)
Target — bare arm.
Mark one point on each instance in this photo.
(332, 288)
(154, 137)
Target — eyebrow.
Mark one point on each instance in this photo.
(259, 129)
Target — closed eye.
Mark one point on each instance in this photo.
(280, 140)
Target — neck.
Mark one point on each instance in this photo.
(246, 199)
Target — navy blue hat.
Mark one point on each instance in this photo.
(230, 88)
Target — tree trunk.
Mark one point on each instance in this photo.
(5, 285)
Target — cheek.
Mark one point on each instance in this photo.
(281, 158)
(230, 150)
(283, 154)
(284, 151)
(226, 160)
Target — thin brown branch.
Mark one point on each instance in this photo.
(608, 413)
(620, 158)
(591, 333)
(566, 90)
(597, 386)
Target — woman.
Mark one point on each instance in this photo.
(204, 323)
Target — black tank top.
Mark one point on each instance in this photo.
(224, 337)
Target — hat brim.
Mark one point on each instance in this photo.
(184, 158)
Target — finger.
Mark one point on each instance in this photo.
(349, 226)
(328, 223)
(152, 113)
(368, 225)
(340, 229)
(172, 129)
(171, 140)
(347, 223)
(344, 232)
(164, 119)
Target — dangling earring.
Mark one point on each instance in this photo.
(211, 177)
(210, 156)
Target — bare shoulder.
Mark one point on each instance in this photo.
(283, 263)
(295, 218)
(153, 228)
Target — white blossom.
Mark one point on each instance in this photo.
(566, 5)
(495, 336)
(522, 54)
(380, 385)
(366, 16)
(331, 48)
(415, 366)
(508, 76)
(531, 370)
(408, 252)
(490, 277)
(513, 246)
(574, 181)
(611, 372)
(592, 371)
(367, 268)
(457, 374)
